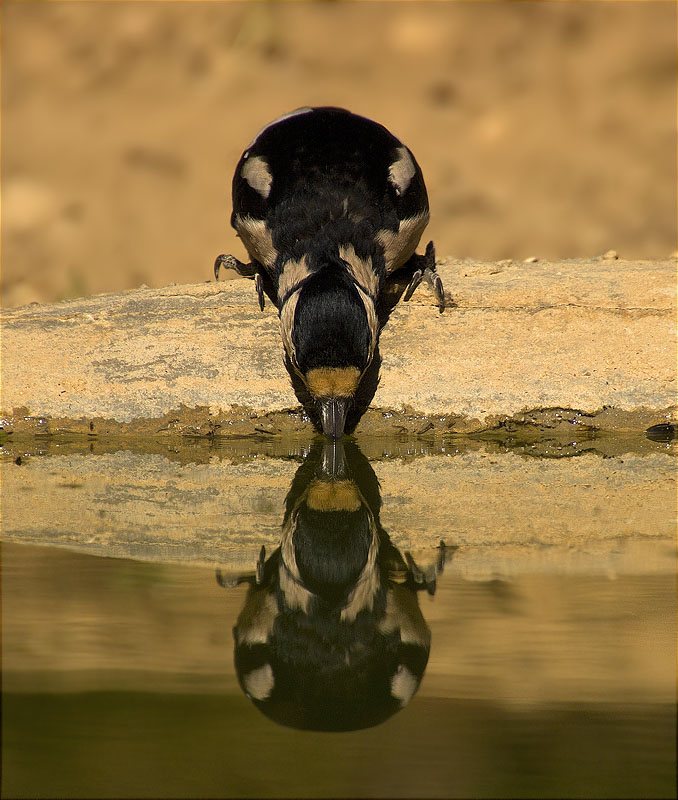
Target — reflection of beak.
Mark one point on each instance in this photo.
(333, 466)
(333, 415)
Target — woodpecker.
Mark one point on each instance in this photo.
(330, 207)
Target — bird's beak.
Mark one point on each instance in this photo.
(333, 415)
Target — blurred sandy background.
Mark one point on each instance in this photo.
(543, 128)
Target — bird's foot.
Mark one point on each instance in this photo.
(246, 270)
(256, 578)
(261, 563)
(427, 269)
(231, 262)
(426, 579)
(230, 583)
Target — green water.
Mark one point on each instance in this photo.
(552, 674)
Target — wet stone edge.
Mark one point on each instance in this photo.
(543, 432)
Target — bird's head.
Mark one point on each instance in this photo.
(330, 331)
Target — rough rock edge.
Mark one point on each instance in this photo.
(242, 421)
(199, 420)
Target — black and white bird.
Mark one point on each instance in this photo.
(331, 207)
(331, 635)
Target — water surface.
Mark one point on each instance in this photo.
(535, 653)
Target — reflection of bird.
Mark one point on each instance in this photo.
(330, 207)
(331, 636)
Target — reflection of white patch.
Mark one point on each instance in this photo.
(363, 593)
(257, 174)
(255, 622)
(402, 170)
(400, 245)
(295, 593)
(403, 685)
(404, 615)
(295, 113)
(259, 683)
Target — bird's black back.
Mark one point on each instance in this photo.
(330, 206)
(327, 165)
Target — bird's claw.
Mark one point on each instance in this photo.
(261, 563)
(437, 285)
(416, 280)
(233, 582)
(443, 552)
(246, 270)
(231, 262)
(428, 271)
(259, 286)
(227, 583)
(426, 579)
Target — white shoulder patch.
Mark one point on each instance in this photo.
(403, 685)
(259, 683)
(294, 272)
(257, 174)
(402, 170)
(295, 113)
(360, 269)
(400, 245)
(287, 313)
(257, 239)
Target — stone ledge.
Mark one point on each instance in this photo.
(590, 343)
